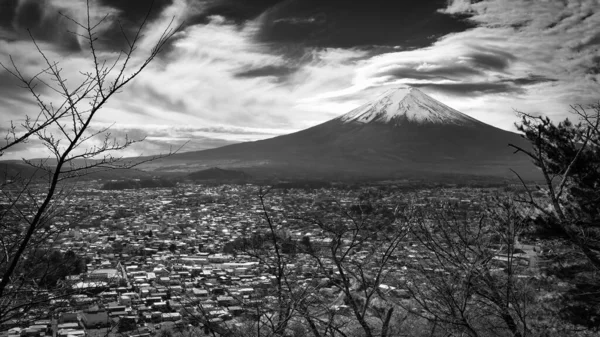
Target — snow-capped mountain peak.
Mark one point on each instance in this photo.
(406, 104)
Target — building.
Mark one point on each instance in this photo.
(95, 319)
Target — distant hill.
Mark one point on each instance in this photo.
(218, 174)
(16, 169)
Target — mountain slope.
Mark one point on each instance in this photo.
(219, 174)
(403, 132)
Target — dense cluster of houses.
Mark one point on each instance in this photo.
(158, 255)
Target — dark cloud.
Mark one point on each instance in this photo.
(559, 20)
(30, 14)
(490, 59)
(288, 27)
(12, 88)
(519, 25)
(444, 72)
(155, 98)
(343, 23)
(47, 24)
(113, 35)
(279, 72)
(131, 14)
(472, 89)
(8, 8)
(238, 11)
(594, 69)
(9, 84)
(43, 21)
(530, 80)
(586, 15)
(593, 40)
(134, 11)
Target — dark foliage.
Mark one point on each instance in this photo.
(568, 156)
(50, 267)
(217, 174)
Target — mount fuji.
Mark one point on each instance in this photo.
(401, 133)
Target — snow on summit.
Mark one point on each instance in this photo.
(405, 104)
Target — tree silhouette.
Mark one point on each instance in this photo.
(64, 125)
(568, 156)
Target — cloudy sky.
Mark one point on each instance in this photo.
(243, 70)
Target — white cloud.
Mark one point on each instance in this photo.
(195, 84)
(457, 7)
(547, 39)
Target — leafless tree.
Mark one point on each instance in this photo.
(64, 125)
(276, 307)
(346, 294)
(468, 273)
(357, 258)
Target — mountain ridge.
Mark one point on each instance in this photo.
(402, 132)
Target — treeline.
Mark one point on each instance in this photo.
(218, 174)
(134, 184)
(48, 267)
(302, 184)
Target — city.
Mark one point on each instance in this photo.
(171, 258)
(291, 168)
